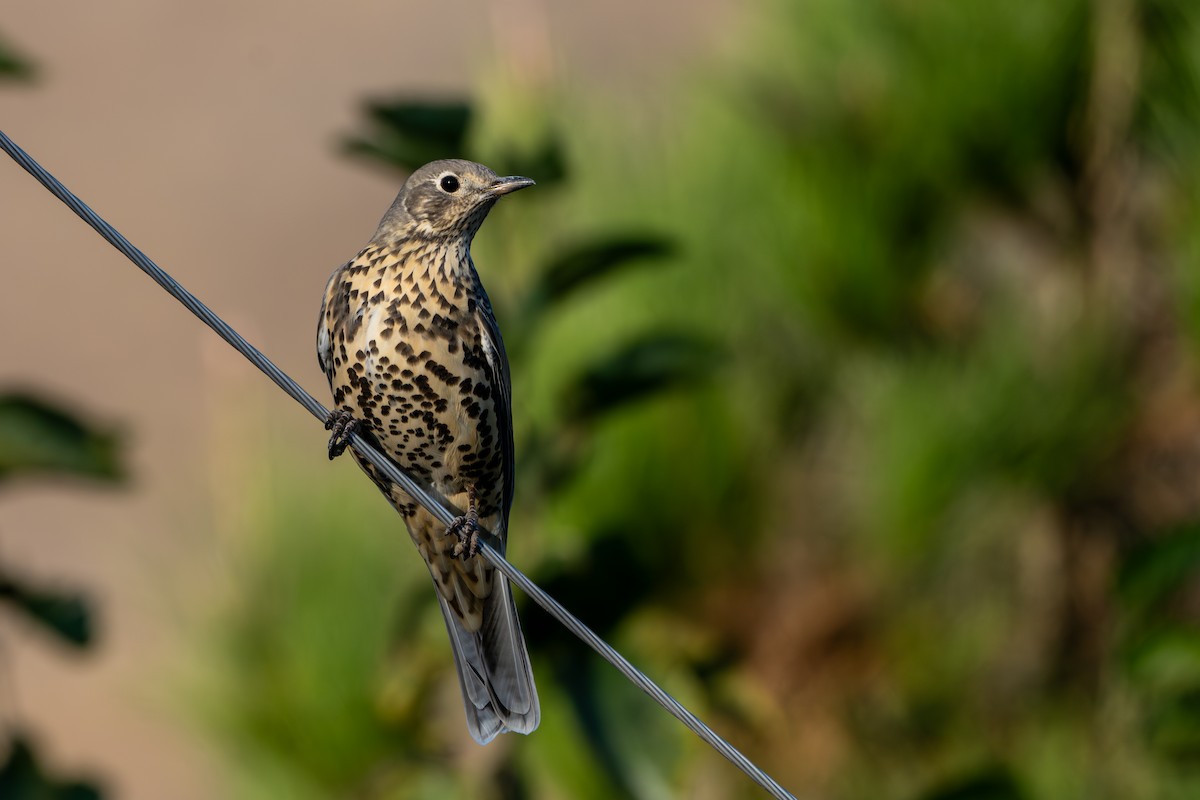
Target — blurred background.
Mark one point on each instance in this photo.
(856, 395)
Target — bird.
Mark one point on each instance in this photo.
(410, 345)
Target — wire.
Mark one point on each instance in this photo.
(432, 502)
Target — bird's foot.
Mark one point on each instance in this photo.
(342, 424)
(466, 528)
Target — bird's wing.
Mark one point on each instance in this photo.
(497, 362)
(324, 332)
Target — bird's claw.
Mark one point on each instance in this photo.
(342, 424)
(466, 528)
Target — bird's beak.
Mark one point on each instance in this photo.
(507, 185)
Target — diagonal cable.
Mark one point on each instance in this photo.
(433, 503)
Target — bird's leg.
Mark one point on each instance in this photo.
(466, 528)
(342, 423)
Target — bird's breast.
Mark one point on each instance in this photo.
(420, 379)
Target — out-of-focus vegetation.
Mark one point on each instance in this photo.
(856, 400)
(14, 66)
(45, 440)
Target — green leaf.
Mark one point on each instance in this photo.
(38, 437)
(14, 66)
(1173, 724)
(654, 364)
(65, 614)
(408, 134)
(547, 165)
(990, 783)
(610, 559)
(585, 262)
(22, 778)
(1163, 656)
(1159, 568)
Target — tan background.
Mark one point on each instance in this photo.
(206, 133)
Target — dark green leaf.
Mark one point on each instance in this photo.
(589, 261)
(1173, 724)
(546, 165)
(408, 134)
(22, 778)
(654, 364)
(991, 783)
(1162, 655)
(38, 437)
(14, 66)
(65, 614)
(550, 459)
(1159, 568)
(582, 585)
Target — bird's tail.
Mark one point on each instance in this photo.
(493, 668)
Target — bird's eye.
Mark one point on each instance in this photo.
(449, 184)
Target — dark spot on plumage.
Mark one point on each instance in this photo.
(443, 327)
(422, 382)
(378, 282)
(473, 359)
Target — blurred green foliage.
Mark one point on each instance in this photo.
(857, 400)
(42, 439)
(37, 437)
(13, 65)
(22, 779)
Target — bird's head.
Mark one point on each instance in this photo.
(446, 200)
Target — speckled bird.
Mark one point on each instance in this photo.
(414, 357)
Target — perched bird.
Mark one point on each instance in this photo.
(414, 357)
